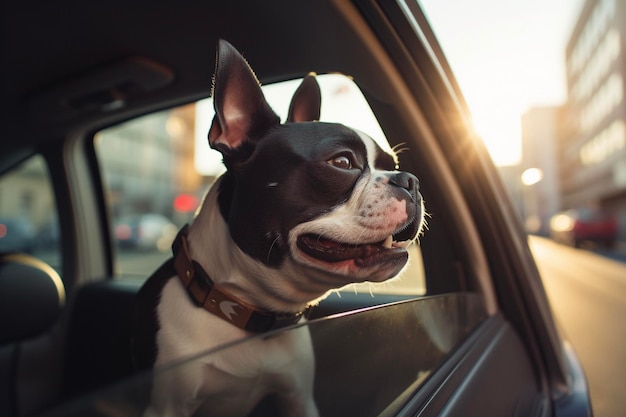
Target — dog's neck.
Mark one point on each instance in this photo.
(212, 246)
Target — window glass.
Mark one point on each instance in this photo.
(385, 355)
(157, 168)
(28, 216)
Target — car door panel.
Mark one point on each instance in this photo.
(489, 375)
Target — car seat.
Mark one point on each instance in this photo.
(32, 297)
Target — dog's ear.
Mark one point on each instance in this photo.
(241, 112)
(306, 102)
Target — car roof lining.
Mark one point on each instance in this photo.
(91, 37)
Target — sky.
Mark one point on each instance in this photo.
(507, 56)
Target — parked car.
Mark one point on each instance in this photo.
(473, 337)
(16, 235)
(148, 231)
(577, 226)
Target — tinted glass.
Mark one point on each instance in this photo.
(385, 354)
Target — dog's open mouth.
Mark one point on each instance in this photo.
(363, 255)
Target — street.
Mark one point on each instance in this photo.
(588, 296)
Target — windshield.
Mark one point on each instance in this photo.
(365, 362)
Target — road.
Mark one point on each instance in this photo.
(587, 292)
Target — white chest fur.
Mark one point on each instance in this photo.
(230, 381)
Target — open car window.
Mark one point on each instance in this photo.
(157, 168)
(395, 346)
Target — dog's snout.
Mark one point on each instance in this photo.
(405, 180)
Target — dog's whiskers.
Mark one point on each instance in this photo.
(396, 148)
(269, 252)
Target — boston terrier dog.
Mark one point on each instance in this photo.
(303, 208)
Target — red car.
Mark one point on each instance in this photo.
(584, 225)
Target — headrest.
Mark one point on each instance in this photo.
(31, 297)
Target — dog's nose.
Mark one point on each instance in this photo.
(405, 180)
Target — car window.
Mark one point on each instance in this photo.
(28, 215)
(157, 168)
(386, 354)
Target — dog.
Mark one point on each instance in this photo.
(304, 207)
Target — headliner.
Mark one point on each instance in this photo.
(47, 45)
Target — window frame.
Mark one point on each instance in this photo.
(513, 276)
(114, 253)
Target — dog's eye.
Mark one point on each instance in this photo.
(342, 162)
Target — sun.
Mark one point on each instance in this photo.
(499, 126)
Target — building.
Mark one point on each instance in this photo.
(148, 162)
(592, 148)
(510, 176)
(540, 191)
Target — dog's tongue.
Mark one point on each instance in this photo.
(331, 251)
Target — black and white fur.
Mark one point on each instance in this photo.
(304, 207)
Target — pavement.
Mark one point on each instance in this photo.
(617, 252)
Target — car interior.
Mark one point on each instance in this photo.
(80, 78)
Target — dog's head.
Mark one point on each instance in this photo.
(306, 198)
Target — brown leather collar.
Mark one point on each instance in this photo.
(204, 293)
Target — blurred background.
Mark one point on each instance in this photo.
(544, 81)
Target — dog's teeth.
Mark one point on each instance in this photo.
(404, 244)
(388, 242)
